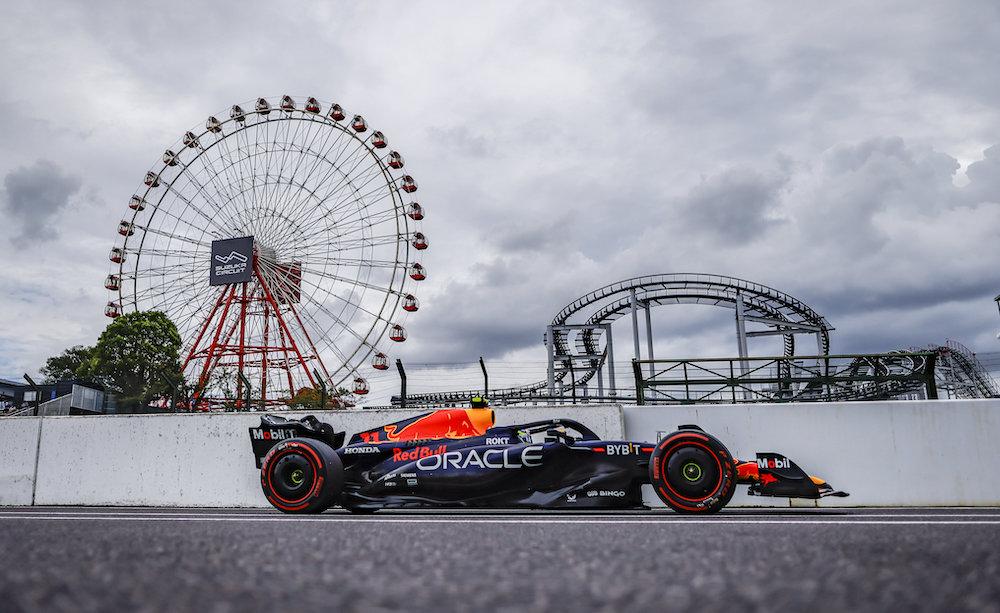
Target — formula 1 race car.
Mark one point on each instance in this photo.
(458, 458)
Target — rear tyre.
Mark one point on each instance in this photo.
(692, 472)
(302, 475)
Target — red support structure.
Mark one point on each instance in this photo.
(242, 338)
(243, 344)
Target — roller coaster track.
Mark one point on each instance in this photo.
(581, 351)
(781, 311)
(961, 374)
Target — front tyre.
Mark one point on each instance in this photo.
(302, 476)
(692, 472)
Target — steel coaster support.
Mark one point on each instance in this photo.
(649, 337)
(640, 397)
(550, 346)
(635, 323)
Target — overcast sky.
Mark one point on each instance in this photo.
(845, 153)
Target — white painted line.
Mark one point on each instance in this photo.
(533, 516)
(464, 520)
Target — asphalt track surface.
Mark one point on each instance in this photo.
(93, 559)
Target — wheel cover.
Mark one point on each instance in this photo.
(685, 453)
(292, 477)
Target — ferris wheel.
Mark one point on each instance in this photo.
(280, 238)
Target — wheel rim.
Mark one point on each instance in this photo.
(292, 477)
(692, 472)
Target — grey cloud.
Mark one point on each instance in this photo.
(737, 205)
(559, 150)
(984, 178)
(34, 196)
(462, 139)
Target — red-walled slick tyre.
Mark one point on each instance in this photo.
(692, 472)
(302, 476)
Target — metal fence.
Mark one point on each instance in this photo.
(786, 379)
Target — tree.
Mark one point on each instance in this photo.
(132, 354)
(309, 397)
(70, 364)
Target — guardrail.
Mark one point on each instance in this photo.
(821, 378)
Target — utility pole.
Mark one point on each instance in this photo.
(486, 378)
(245, 390)
(173, 389)
(402, 383)
(322, 390)
(35, 391)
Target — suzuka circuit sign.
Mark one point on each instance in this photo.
(232, 260)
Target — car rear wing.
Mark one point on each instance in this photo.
(273, 429)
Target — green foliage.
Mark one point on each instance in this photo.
(70, 364)
(132, 355)
(308, 397)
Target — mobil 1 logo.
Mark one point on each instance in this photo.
(232, 261)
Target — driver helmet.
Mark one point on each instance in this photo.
(479, 402)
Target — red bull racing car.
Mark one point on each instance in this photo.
(459, 458)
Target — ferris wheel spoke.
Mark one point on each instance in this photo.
(173, 236)
(167, 293)
(320, 153)
(204, 193)
(320, 201)
(363, 182)
(368, 241)
(228, 185)
(186, 200)
(354, 262)
(333, 277)
(335, 321)
(187, 306)
(274, 281)
(348, 226)
(272, 150)
(369, 174)
(304, 280)
(169, 253)
(161, 271)
(235, 169)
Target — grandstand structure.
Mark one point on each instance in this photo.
(581, 363)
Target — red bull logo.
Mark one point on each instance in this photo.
(408, 455)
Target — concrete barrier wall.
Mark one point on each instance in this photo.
(883, 453)
(198, 460)
(18, 446)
